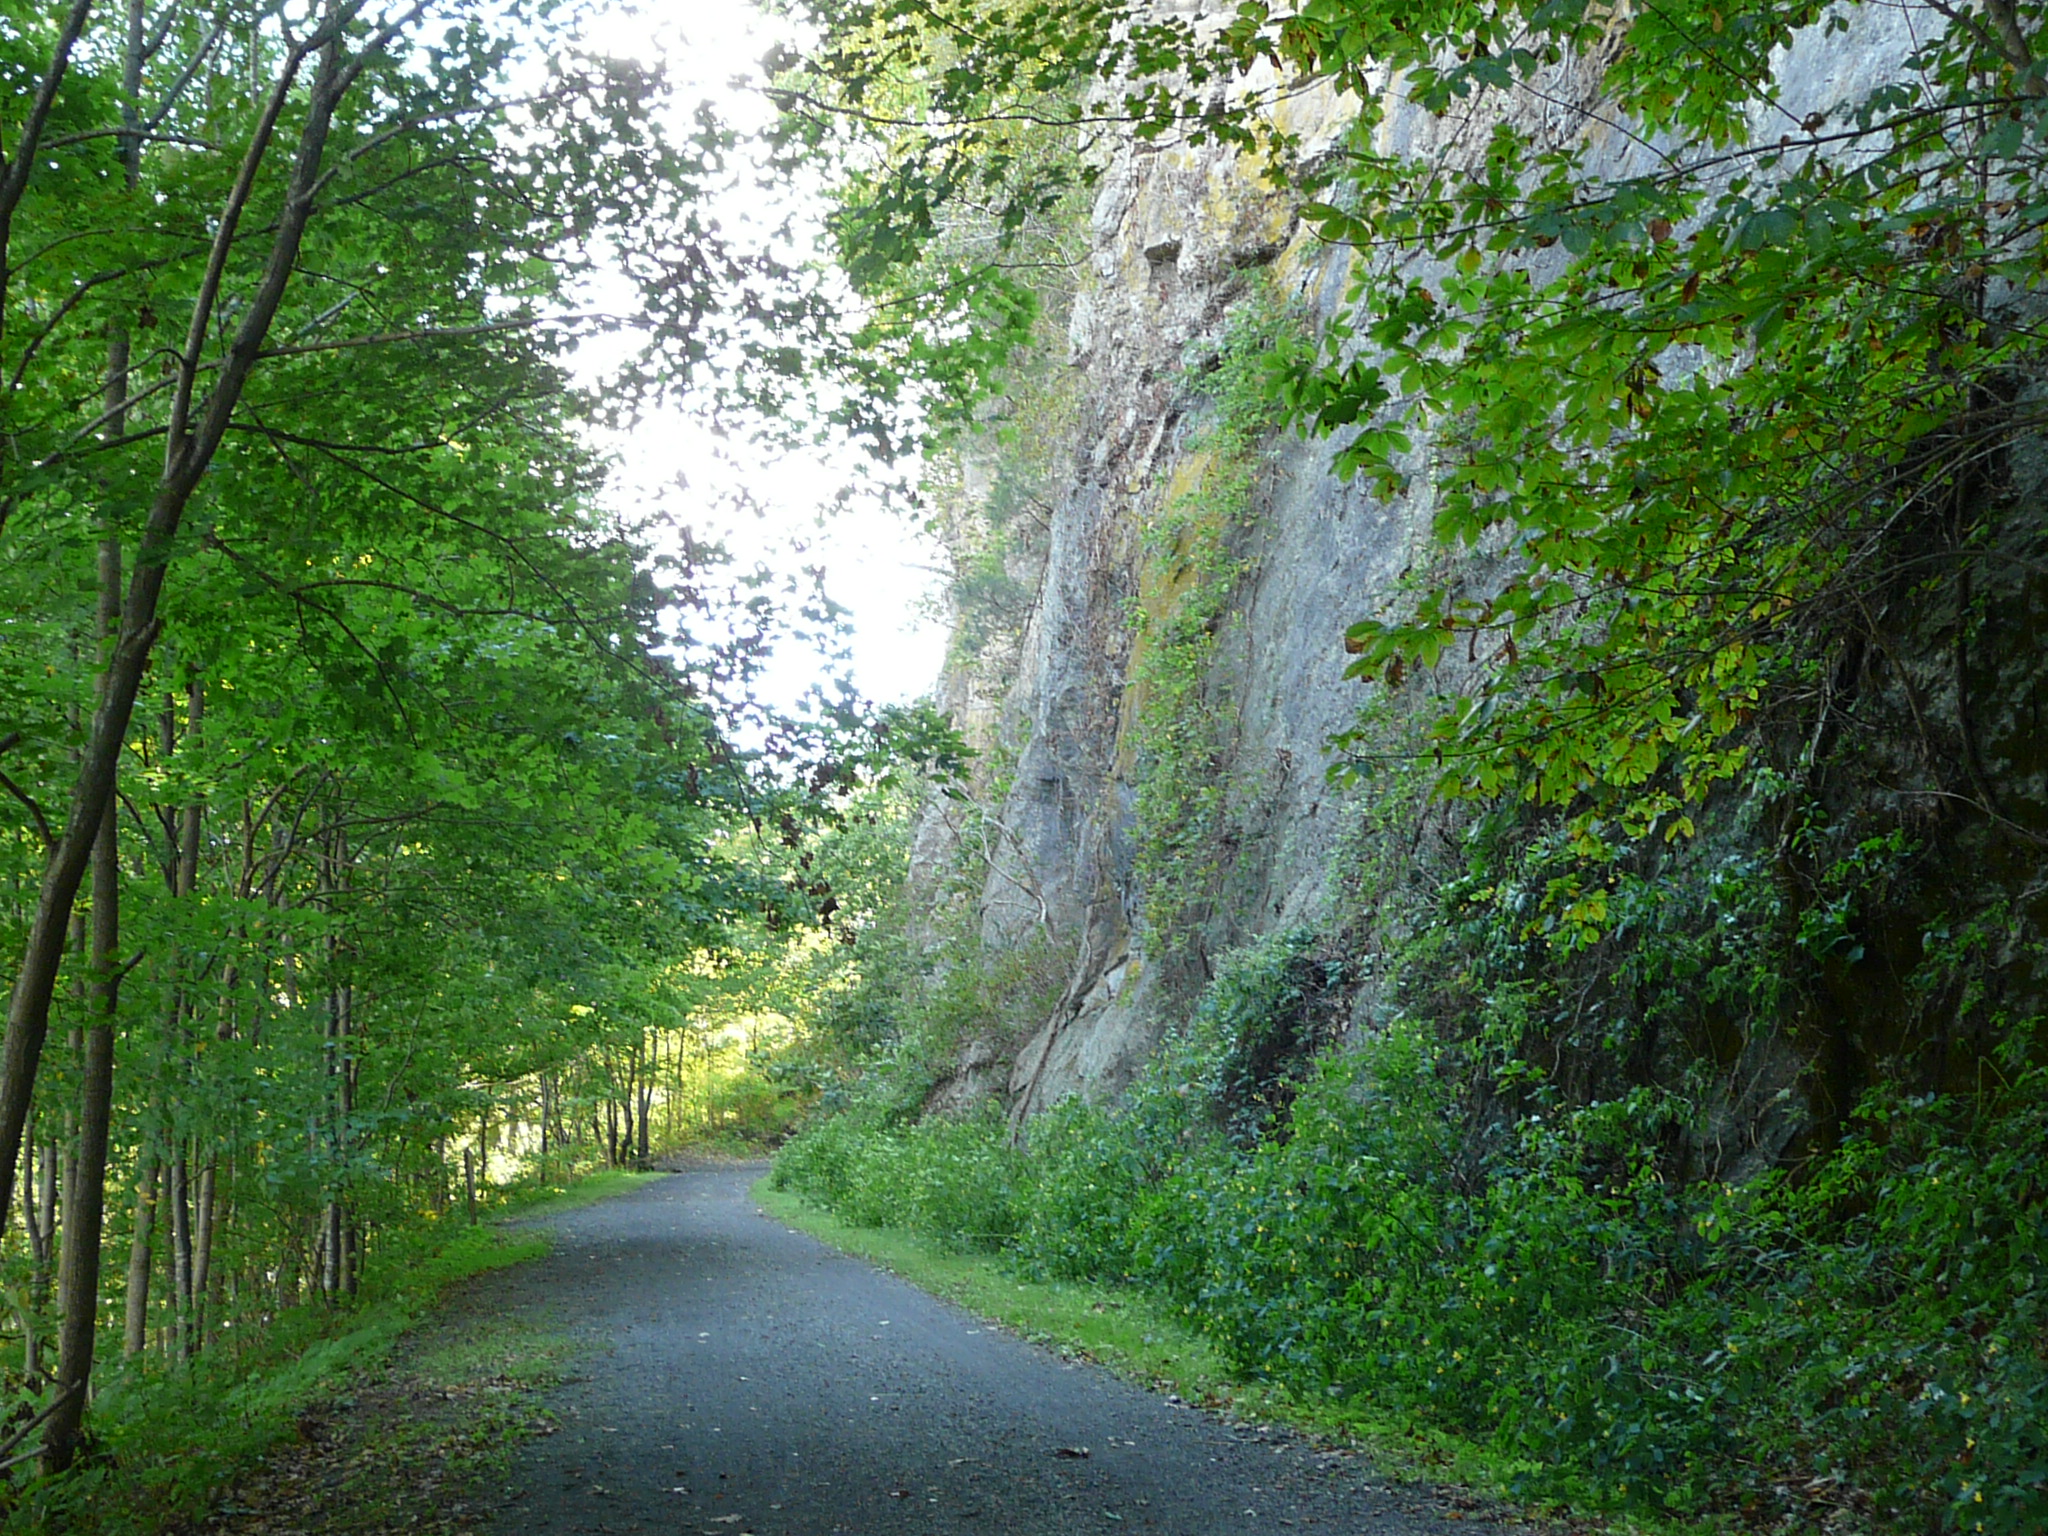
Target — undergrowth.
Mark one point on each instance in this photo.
(169, 1442)
(1863, 1343)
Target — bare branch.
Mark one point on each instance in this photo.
(142, 135)
(177, 87)
(42, 821)
(71, 302)
(32, 1425)
(175, 448)
(164, 23)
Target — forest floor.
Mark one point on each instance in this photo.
(419, 1442)
(691, 1365)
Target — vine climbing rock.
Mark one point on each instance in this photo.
(745, 1378)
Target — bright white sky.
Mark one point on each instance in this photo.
(879, 566)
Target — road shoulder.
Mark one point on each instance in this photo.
(1134, 1338)
(415, 1433)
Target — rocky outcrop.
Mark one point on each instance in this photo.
(1178, 237)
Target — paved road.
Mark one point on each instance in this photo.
(750, 1380)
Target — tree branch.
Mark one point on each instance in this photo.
(436, 333)
(177, 87)
(42, 821)
(14, 183)
(71, 302)
(176, 445)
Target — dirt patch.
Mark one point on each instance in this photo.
(419, 1444)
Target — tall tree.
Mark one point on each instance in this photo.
(391, 757)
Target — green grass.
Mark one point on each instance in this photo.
(1116, 1328)
(1125, 1332)
(424, 1442)
(504, 1348)
(526, 1202)
(168, 1445)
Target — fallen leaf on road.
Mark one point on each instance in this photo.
(1072, 1452)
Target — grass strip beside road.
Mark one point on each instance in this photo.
(1128, 1334)
(1117, 1328)
(317, 1418)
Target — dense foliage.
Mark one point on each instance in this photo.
(378, 829)
(1863, 1344)
(1690, 928)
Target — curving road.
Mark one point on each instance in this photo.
(749, 1380)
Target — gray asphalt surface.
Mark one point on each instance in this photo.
(747, 1379)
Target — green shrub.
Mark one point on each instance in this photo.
(753, 1108)
(1871, 1332)
(1087, 1176)
(950, 1179)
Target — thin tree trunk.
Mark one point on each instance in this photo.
(338, 1277)
(78, 1281)
(627, 1102)
(330, 1250)
(196, 1239)
(28, 141)
(135, 1322)
(290, 1266)
(483, 1145)
(50, 1186)
(28, 1181)
(31, 1344)
(325, 1245)
(222, 1222)
(193, 435)
(203, 1214)
(181, 1251)
(647, 1077)
(37, 1215)
(675, 1103)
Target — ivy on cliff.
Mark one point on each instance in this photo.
(1195, 562)
(1715, 399)
(1712, 376)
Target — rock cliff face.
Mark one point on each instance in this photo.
(1179, 238)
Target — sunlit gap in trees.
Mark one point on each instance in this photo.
(358, 800)
(813, 501)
